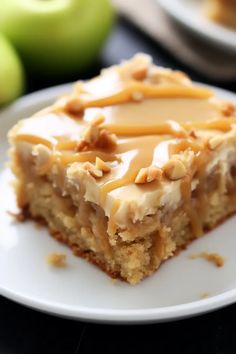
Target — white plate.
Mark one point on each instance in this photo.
(189, 14)
(82, 291)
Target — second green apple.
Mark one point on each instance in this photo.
(56, 37)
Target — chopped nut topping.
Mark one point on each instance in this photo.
(101, 165)
(74, 106)
(163, 76)
(95, 136)
(148, 174)
(82, 146)
(192, 133)
(56, 259)
(137, 68)
(215, 142)
(91, 134)
(88, 166)
(137, 96)
(174, 169)
(140, 73)
(228, 109)
(106, 140)
(98, 119)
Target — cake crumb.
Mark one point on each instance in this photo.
(38, 225)
(20, 216)
(114, 281)
(214, 258)
(204, 295)
(56, 259)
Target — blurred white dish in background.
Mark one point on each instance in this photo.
(82, 291)
(190, 14)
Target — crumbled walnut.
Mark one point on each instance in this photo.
(56, 259)
(74, 106)
(174, 169)
(148, 174)
(214, 142)
(101, 165)
(88, 166)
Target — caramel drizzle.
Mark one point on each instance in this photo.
(223, 124)
(89, 156)
(126, 94)
(168, 128)
(141, 130)
(143, 156)
(34, 139)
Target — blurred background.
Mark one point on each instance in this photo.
(50, 42)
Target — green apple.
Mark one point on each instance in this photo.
(56, 37)
(11, 72)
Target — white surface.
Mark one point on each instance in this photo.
(81, 290)
(189, 13)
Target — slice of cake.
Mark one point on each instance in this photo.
(223, 11)
(129, 167)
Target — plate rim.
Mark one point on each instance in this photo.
(177, 15)
(131, 316)
(113, 316)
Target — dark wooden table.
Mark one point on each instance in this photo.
(25, 331)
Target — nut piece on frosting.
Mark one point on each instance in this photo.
(101, 165)
(74, 105)
(215, 142)
(98, 119)
(168, 76)
(137, 68)
(98, 169)
(228, 109)
(95, 136)
(174, 169)
(96, 173)
(148, 174)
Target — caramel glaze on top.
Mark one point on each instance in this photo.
(151, 116)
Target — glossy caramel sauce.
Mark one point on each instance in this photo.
(152, 123)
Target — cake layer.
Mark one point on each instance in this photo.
(140, 151)
(222, 11)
